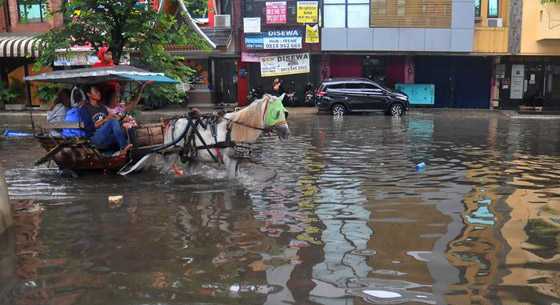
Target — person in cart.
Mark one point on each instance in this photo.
(102, 128)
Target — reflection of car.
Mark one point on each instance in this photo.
(343, 95)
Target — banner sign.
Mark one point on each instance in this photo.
(254, 41)
(517, 80)
(82, 59)
(275, 12)
(252, 25)
(285, 64)
(312, 34)
(275, 39)
(253, 57)
(307, 12)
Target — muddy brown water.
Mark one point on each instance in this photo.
(346, 220)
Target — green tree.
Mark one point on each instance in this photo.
(125, 26)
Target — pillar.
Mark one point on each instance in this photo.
(5, 212)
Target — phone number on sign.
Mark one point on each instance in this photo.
(282, 46)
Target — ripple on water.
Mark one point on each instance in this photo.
(337, 210)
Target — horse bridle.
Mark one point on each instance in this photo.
(265, 129)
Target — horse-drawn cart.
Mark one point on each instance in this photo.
(223, 138)
(78, 153)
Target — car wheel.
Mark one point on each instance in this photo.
(396, 109)
(338, 109)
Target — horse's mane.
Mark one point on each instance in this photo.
(250, 116)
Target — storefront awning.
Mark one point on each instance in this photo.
(18, 46)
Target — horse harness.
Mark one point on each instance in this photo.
(188, 151)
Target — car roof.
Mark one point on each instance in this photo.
(347, 79)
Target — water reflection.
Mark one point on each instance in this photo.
(347, 220)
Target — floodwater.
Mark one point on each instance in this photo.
(346, 220)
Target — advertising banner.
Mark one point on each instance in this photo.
(275, 12)
(252, 25)
(285, 64)
(253, 57)
(307, 11)
(312, 34)
(275, 39)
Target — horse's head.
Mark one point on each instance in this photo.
(275, 116)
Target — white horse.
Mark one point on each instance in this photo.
(224, 138)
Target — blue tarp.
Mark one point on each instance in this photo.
(145, 78)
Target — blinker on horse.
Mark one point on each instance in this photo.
(223, 138)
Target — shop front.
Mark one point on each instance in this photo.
(383, 69)
(530, 81)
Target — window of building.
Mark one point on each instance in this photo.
(336, 13)
(32, 11)
(477, 8)
(493, 8)
(401, 7)
(378, 7)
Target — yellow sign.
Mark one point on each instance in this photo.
(307, 12)
(312, 34)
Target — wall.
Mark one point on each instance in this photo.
(536, 15)
(458, 38)
(492, 39)
(16, 27)
(346, 66)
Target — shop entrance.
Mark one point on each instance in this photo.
(226, 80)
(375, 69)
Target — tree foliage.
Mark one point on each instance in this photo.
(125, 26)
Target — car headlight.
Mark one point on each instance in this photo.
(402, 97)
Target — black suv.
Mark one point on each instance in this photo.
(343, 95)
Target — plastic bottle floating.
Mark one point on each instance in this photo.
(420, 166)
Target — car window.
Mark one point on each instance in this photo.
(353, 88)
(335, 86)
(371, 88)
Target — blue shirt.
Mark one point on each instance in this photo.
(91, 115)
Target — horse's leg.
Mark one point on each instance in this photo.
(231, 166)
(168, 161)
(191, 167)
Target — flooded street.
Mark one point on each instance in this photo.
(346, 220)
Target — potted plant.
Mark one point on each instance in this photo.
(9, 95)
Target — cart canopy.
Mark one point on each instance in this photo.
(101, 75)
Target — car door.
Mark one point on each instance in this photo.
(375, 98)
(354, 95)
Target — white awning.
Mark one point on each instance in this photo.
(18, 46)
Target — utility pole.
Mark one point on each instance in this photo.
(6, 220)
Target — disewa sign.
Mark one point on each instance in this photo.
(285, 64)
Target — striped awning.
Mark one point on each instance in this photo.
(18, 46)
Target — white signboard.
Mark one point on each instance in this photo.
(285, 64)
(282, 39)
(252, 25)
(517, 80)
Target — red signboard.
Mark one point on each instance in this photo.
(275, 12)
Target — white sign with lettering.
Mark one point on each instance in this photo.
(285, 64)
(517, 80)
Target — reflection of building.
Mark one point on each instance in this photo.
(532, 234)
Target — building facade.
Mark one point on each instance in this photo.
(533, 69)
(400, 42)
(19, 24)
